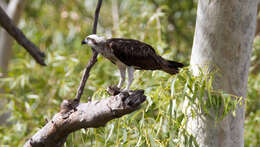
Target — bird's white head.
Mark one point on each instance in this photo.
(94, 40)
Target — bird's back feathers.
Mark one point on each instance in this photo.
(140, 55)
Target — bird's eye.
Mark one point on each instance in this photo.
(93, 40)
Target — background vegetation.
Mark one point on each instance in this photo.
(34, 93)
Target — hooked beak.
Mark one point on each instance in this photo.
(84, 42)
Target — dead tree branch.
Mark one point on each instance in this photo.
(74, 116)
(17, 34)
(86, 115)
(14, 10)
(92, 60)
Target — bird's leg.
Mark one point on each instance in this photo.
(122, 76)
(130, 71)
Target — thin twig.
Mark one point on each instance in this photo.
(85, 76)
(94, 30)
(92, 60)
(18, 35)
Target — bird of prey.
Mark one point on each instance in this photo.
(130, 54)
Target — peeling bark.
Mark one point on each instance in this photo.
(223, 39)
(86, 115)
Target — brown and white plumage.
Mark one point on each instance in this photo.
(131, 54)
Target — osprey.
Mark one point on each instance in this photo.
(130, 54)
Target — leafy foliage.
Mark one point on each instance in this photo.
(34, 93)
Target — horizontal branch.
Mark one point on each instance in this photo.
(85, 115)
(18, 35)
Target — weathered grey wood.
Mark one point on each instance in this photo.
(223, 40)
(86, 115)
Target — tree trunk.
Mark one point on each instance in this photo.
(223, 39)
(257, 32)
(115, 15)
(14, 10)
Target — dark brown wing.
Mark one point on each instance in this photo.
(134, 53)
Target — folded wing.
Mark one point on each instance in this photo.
(135, 53)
